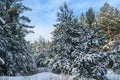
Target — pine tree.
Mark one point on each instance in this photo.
(108, 19)
(44, 59)
(65, 40)
(13, 48)
(90, 15)
(39, 46)
(114, 54)
(83, 20)
(41, 49)
(90, 55)
(77, 48)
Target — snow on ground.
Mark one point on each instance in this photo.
(51, 76)
(40, 76)
(112, 76)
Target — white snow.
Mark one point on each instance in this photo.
(112, 76)
(39, 76)
(2, 61)
(1, 19)
(51, 76)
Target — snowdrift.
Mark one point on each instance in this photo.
(39, 76)
(51, 76)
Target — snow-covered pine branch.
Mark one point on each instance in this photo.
(2, 61)
(2, 21)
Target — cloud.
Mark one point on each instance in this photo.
(44, 12)
(115, 3)
(43, 17)
(41, 5)
(41, 30)
(83, 6)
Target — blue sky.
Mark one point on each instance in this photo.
(43, 14)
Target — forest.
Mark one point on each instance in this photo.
(84, 46)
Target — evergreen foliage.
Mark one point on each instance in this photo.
(83, 21)
(65, 38)
(41, 50)
(109, 20)
(14, 53)
(77, 48)
(39, 46)
(90, 15)
(114, 54)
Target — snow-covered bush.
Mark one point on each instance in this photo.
(90, 65)
(44, 58)
(62, 66)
